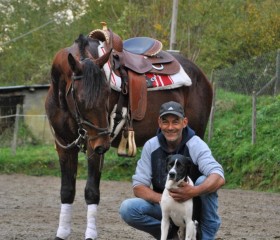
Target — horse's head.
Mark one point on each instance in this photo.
(89, 97)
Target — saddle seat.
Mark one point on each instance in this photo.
(142, 46)
(144, 55)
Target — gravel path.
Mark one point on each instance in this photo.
(29, 209)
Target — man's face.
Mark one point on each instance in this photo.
(172, 127)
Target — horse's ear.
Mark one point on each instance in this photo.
(103, 59)
(74, 64)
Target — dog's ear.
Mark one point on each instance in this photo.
(189, 163)
(168, 162)
(168, 158)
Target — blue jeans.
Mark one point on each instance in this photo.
(146, 216)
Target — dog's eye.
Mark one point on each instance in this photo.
(178, 164)
(170, 165)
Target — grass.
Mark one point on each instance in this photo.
(32, 160)
(40, 160)
(246, 166)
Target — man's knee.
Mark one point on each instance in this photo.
(210, 227)
(125, 210)
(210, 220)
(200, 180)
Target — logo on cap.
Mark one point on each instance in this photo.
(172, 107)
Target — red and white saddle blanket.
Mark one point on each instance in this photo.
(159, 82)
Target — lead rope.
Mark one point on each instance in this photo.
(68, 146)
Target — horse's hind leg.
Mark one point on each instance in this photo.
(92, 193)
(68, 165)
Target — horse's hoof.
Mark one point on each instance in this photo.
(57, 238)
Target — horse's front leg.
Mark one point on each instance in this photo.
(68, 165)
(92, 193)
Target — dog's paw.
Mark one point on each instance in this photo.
(181, 233)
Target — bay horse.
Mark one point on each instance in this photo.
(78, 106)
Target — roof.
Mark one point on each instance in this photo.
(10, 89)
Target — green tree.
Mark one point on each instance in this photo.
(214, 33)
(230, 31)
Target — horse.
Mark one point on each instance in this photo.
(78, 107)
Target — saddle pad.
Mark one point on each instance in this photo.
(159, 82)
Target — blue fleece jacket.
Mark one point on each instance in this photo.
(151, 169)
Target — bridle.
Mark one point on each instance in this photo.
(79, 118)
(81, 140)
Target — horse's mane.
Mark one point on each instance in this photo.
(94, 82)
(82, 42)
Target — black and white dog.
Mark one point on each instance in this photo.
(180, 212)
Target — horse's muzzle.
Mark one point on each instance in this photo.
(101, 150)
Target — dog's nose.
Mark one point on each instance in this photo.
(172, 175)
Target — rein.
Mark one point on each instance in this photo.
(76, 143)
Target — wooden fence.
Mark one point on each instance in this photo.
(276, 89)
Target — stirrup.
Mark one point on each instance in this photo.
(131, 144)
(127, 141)
(122, 145)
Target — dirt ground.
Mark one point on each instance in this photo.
(29, 209)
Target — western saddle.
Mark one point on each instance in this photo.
(130, 60)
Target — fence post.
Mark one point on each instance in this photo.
(277, 75)
(254, 117)
(211, 117)
(212, 113)
(14, 142)
(173, 43)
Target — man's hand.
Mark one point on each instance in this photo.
(183, 193)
